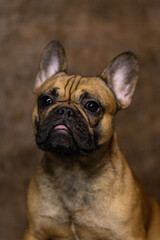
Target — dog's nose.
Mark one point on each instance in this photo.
(65, 112)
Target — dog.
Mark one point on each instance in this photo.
(84, 187)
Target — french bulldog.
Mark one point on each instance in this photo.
(84, 188)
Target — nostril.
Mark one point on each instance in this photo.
(61, 111)
(69, 112)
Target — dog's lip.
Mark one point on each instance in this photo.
(61, 127)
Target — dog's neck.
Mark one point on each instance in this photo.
(92, 164)
(75, 178)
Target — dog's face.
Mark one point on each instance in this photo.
(73, 114)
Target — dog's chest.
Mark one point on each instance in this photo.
(74, 203)
(74, 190)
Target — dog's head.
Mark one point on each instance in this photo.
(73, 114)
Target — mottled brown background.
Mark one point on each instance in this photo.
(93, 32)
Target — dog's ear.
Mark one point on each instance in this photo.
(52, 61)
(121, 76)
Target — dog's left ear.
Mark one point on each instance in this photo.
(52, 61)
(121, 76)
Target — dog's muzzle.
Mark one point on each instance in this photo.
(65, 130)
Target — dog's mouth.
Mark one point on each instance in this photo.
(61, 128)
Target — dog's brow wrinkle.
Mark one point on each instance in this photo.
(69, 100)
(77, 84)
(68, 83)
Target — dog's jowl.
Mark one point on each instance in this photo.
(83, 188)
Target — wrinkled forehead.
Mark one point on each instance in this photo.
(73, 87)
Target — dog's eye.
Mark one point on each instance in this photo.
(46, 100)
(92, 106)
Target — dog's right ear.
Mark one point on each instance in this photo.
(52, 61)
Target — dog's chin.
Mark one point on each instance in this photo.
(59, 141)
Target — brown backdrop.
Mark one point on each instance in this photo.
(92, 32)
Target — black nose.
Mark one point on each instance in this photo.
(65, 112)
